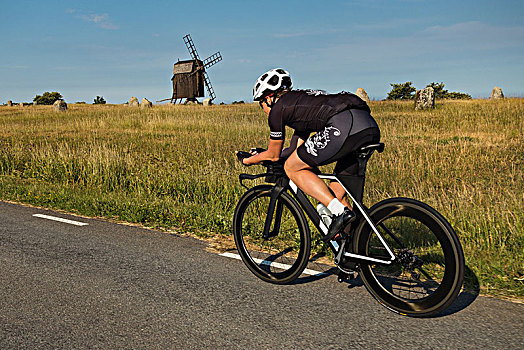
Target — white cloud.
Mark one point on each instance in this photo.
(100, 20)
(477, 35)
(472, 40)
(288, 35)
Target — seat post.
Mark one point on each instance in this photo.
(362, 164)
(355, 183)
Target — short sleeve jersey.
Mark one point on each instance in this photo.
(308, 111)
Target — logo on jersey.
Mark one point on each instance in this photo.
(315, 92)
(320, 140)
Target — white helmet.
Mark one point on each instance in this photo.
(272, 81)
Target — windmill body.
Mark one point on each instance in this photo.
(190, 76)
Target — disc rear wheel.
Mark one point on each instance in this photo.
(428, 270)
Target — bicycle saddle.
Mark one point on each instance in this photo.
(379, 147)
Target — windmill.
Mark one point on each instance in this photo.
(190, 76)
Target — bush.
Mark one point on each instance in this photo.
(440, 93)
(99, 100)
(401, 91)
(438, 90)
(459, 96)
(48, 98)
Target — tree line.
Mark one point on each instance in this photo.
(48, 98)
(406, 91)
(400, 91)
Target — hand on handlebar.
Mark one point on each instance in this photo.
(241, 155)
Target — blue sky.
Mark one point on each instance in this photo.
(119, 49)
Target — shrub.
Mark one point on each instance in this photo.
(48, 98)
(459, 96)
(99, 100)
(438, 90)
(403, 91)
(440, 93)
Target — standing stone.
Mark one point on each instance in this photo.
(146, 103)
(207, 102)
(425, 98)
(133, 102)
(9, 103)
(362, 94)
(60, 106)
(496, 93)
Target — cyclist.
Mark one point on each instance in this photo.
(341, 122)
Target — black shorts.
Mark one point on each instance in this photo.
(344, 133)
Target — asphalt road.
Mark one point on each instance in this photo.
(109, 286)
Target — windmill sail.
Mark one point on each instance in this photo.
(212, 60)
(191, 47)
(208, 86)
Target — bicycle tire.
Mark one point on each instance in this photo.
(428, 271)
(280, 259)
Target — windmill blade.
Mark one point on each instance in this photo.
(213, 59)
(191, 47)
(208, 86)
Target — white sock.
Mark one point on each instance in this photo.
(336, 207)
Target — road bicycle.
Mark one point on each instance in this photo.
(406, 253)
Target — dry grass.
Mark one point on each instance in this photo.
(173, 167)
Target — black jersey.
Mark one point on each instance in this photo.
(308, 111)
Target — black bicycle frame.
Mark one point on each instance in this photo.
(313, 215)
(352, 184)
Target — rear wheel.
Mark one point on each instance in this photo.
(428, 271)
(282, 257)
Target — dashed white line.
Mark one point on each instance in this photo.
(54, 218)
(274, 264)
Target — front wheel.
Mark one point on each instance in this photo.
(283, 256)
(428, 270)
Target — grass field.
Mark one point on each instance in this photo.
(173, 167)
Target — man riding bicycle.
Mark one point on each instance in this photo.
(342, 123)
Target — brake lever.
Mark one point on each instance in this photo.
(258, 150)
(243, 155)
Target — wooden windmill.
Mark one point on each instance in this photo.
(190, 76)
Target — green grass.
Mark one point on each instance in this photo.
(174, 168)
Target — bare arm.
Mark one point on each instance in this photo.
(286, 152)
(273, 153)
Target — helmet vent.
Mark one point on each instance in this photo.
(273, 81)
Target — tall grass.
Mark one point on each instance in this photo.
(173, 167)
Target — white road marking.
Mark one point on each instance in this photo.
(54, 218)
(277, 265)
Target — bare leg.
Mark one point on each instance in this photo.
(340, 193)
(300, 173)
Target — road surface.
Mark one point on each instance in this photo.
(105, 285)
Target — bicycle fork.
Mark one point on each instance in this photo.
(275, 193)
